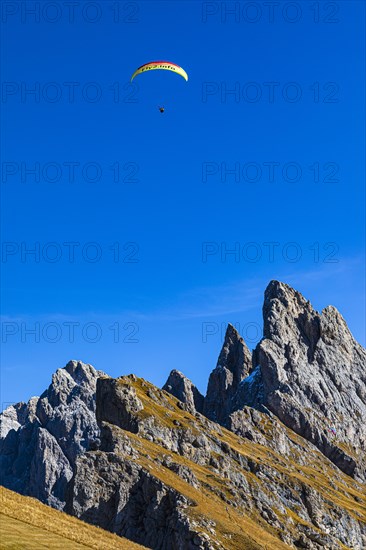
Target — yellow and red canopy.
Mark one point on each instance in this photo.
(164, 65)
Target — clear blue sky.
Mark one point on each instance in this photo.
(293, 131)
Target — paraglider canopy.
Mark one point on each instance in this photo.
(163, 65)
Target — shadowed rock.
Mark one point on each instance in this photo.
(233, 365)
(117, 404)
(42, 439)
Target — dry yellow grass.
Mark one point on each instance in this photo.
(234, 529)
(245, 532)
(26, 523)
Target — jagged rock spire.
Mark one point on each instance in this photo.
(183, 389)
(233, 365)
(41, 440)
(313, 376)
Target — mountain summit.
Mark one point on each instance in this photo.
(272, 457)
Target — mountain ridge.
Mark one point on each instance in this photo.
(278, 439)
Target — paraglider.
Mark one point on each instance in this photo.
(163, 65)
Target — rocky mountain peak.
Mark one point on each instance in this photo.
(234, 354)
(334, 329)
(168, 479)
(307, 370)
(312, 376)
(233, 365)
(183, 389)
(41, 440)
(287, 315)
(127, 456)
(83, 374)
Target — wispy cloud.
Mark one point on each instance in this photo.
(211, 300)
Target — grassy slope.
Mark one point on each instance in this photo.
(235, 530)
(27, 523)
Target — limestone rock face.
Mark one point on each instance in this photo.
(273, 456)
(169, 483)
(12, 418)
(312, 376)
(183, 389)
(41, 440)
(233, 365)
(308, 371)
(118, 494)
(117, 404)
(115, 486)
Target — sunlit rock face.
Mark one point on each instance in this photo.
(158, 467)
(308, 371)
(313, 376)
(183, 389)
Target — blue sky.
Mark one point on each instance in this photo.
(132, 214)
